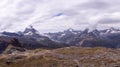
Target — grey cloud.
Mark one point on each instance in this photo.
(94, 4)
(109, 21)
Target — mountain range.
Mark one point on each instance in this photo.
(30, 38)
(86, 38)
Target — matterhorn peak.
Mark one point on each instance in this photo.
(30, 30)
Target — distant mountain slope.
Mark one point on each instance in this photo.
(105, 38)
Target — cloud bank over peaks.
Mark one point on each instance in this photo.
(58, 15)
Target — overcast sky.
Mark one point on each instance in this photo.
(58, 15)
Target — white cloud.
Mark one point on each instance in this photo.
(57, 15)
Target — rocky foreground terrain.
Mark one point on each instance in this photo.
(63, 57)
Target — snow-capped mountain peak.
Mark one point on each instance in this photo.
(70, 29)
(112, 30)
(30, 31)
